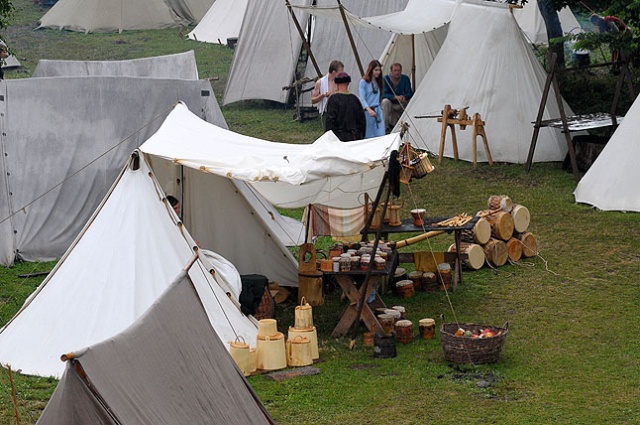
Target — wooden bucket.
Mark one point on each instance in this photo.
(404, 331)
(496, 252)
(299, 352)
(253, 359)
(267, 327)
(387, 323)
(272, 353)
(500, 202)
(480, 234)
(309, 278)
(501, 225)
(427, 328)
(406, 172)
(429, 281)
(416, 278)
(405, 288)
(444, 275)
(240, 353)
(529, 244)
(422, 166)
(303, 316)
(311, 335)
(521, 218)
(475, 255)
(514, 249)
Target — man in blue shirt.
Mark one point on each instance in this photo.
(397, 92)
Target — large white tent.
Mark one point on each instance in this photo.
(179, 65)
(222, 21)
(169, 367)
(532, 24)
(611, 182)
(486, 64)
(126, 256)
(119, 15)
(327, 171)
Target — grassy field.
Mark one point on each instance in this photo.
(573, 351)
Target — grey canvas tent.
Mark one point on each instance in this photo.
(119, 15)
(179, 65)
(169, 367)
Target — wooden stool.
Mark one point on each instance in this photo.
(451, 117)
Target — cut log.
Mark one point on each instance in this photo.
(514, 249)
(480, 234)
(521, 218)
(475, 254)
(501, 225)
(500, 202)
(529, 244)
(496, 252)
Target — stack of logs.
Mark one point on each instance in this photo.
(499, 235)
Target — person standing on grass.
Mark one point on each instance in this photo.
(370, 92)
(397, 92)
(324, 87)
(344, 112)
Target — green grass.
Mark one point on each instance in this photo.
(571, 356)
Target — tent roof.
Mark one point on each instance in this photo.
(486, 64)
(233, 155)
(179, 65)
(169, 367)
(611, 182)
(125, 257)
(223, 20)
(119, 15)
(532, 24)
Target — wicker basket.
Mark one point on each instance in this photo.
(461, 349)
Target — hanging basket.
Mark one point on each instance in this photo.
(406, 172)
(463, 349)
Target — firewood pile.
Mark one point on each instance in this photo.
(501, 234)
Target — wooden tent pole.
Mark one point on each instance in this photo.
(304, 39)
(13, 394)
(353, 44)
(413, 62)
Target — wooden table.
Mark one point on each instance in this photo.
(347, 281)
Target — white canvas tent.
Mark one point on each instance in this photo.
(119, 15)
(125, 257)
(327, 171)
(58, 163)
(222, 21)
(532, 24)
(486, 64)
(611, 183)
(169, 367)
(179, 65)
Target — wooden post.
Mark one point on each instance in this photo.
(413, 62)
(304, 39)
(353, 44)
(565, 130)
(478, 130)
(13, 394)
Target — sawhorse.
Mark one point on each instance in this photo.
(450, 117)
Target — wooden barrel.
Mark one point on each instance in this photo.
(496, 252)
(475, 254)
(529, 244)
(514, 249)
(416, 278)
(404, 331)
(427, 328)
(429, 281)
(500, 202)
(405, 288)
(387, 323)
(501, 225)
(521, 218)
(444, 275)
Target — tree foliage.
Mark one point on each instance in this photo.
(6, 13)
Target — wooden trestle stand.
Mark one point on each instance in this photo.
(450, 117)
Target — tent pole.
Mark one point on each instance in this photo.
(413, 61)
(304, 39)
(353, 44)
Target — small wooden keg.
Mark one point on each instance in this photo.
(429, 281)
(404, 331)
(416, 278)
(387, 323)
(444, 275)
(427, 328)
(405, 288)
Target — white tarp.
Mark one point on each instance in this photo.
(125, 257)
(611, 184)
(179, 65)
(294, 168)
(222, 21)
(486, 64)
(532, 24)
(119, 15)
